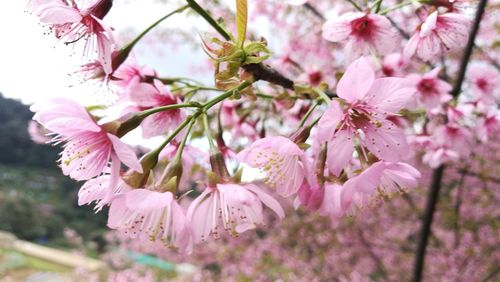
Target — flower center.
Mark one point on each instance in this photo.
(362, 27)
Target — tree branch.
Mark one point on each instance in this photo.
(266, 73)
(432, 200)
(437, 174)
(468, 48)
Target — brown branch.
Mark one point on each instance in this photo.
(438, 173)
(266, 73)
(315, 11)
(399, 29)
(468, 49)
(432, 200)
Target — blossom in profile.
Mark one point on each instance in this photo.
(310, 196)
(487, 125)
(332, 205)
(88, 148)
(74, 21)
(37, 133)
(431, 90)
(100, 190)
(438, 35)
(146, 96)
(364, 116)
(150, 215)
(283, 162)
(361, 33)
(381, 179)
(235, 208)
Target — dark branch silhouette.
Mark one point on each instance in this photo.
(437, 174)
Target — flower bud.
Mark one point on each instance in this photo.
(219, 166)
(172, 176)
(137, 180)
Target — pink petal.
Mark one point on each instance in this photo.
(93, 190)
(357, 80)
(340, 150)
(125, 153)
(390, 94)
(387, 142)
(429, 24)
(337, 29)
(329, 121)
(58, 14)
(267, 200)
(411, 46)
(146, 200)
(143, 94)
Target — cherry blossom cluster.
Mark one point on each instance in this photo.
(335, 136)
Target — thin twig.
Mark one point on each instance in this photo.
(468, 49)
(432, 200)
(378, 262)
(458, 204)
(315, 11)
(486, 178)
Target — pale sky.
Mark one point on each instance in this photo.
(35, 66)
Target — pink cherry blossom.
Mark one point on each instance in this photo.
(361, 33)
(147, 96)
(368, 102)
(129, 73)
(71, 22)
(310, 196)
(431, 90)
(382, 179)
(437, 156)
(438, 34)
(236, 208)
(151, 215)
(395, 64)
(487, 125)
(485, 83)
(100, 190)
(284, 163)
(332, 204)
(88, 147)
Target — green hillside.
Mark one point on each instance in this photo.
(36, 201)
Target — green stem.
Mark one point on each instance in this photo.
(172, 80)
(210, 138)
(175, 132)
(190, 120)
(149, 112)
(323, 95)
(395, 7)
(308, 114)
(355, 5)
(129, 46)
(225, 95)
(180, 149)
(377, 5)
(198, 9)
